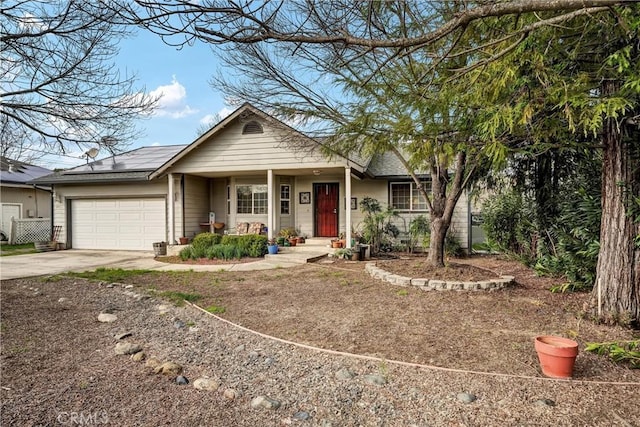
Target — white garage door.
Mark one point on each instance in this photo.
(126, 224)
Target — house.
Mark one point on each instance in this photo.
(18, 197)
(250, 167)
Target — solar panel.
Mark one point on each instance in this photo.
(141, 159)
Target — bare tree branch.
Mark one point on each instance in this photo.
(60, 88)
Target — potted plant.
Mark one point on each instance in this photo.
(344, 253)
(272, 247)
(289, 234)
(184, 240)
(342, 240)
(335, 243)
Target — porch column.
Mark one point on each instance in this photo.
(172, 210)
(347, 205)
(271, 223)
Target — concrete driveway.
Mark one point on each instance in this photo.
(44, 263)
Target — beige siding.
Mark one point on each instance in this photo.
(35, 203)
(229, 150)
(196, 204)
(458, 228)
(65, 193)
(359, 189)
(218, 200)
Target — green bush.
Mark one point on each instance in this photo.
(508, 225)
(419, 232)
(452, 246)
(577, 242)
(214, 246)
(202, 242)
(186, 253)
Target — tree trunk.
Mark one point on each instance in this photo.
(616, 295)
(443, 203)
(439, 228)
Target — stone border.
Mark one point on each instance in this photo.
(439, 285)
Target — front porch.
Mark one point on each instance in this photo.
(312, 202)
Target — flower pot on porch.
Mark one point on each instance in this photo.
(184, 240)
(336, 244)
(557, 355)
(293, 241)
(273, 249)
(300, 240)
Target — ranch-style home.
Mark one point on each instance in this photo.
(249, 168)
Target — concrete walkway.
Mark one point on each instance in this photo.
(78, 260)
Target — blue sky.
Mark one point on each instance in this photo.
(181, 77)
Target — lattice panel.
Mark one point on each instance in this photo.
(30, 230)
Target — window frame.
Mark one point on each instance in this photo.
(413, 193)
(256, 209)
(285, 199)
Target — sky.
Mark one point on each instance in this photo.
(181, 77)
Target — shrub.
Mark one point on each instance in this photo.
(508, 225)
(452, 246)
(214, 246)
(186, 253)
(419, 232)
(202, 242)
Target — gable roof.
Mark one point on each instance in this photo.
(17, 172)
(146, 163)
(245, 109)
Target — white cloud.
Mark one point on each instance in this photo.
(212, 119)
(209, 119)
(172, 101)
(30, 22)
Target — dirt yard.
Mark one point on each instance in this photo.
(57, 359)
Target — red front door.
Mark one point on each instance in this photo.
(325, 197)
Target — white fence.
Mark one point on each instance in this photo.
(29, 230)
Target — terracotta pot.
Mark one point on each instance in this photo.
(300, 240)
(556, 355)
(184, 240)
(336, 244)
(293, 241)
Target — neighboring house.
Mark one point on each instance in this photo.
(18, 197)
(250, 167)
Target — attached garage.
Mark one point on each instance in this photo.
(124, 224)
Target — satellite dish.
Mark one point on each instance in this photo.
(93, 152)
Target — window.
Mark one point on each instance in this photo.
(285, 197)
(252, 127)
(252, 199)
(406, 197)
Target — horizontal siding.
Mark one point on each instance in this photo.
(196, 204)
(229, 150)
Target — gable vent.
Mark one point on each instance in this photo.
(252, 127)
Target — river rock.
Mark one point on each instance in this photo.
(127, 348)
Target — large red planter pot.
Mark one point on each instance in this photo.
(557, 355)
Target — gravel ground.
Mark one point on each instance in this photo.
(59, 368)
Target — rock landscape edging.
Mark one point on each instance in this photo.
(438, 285)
